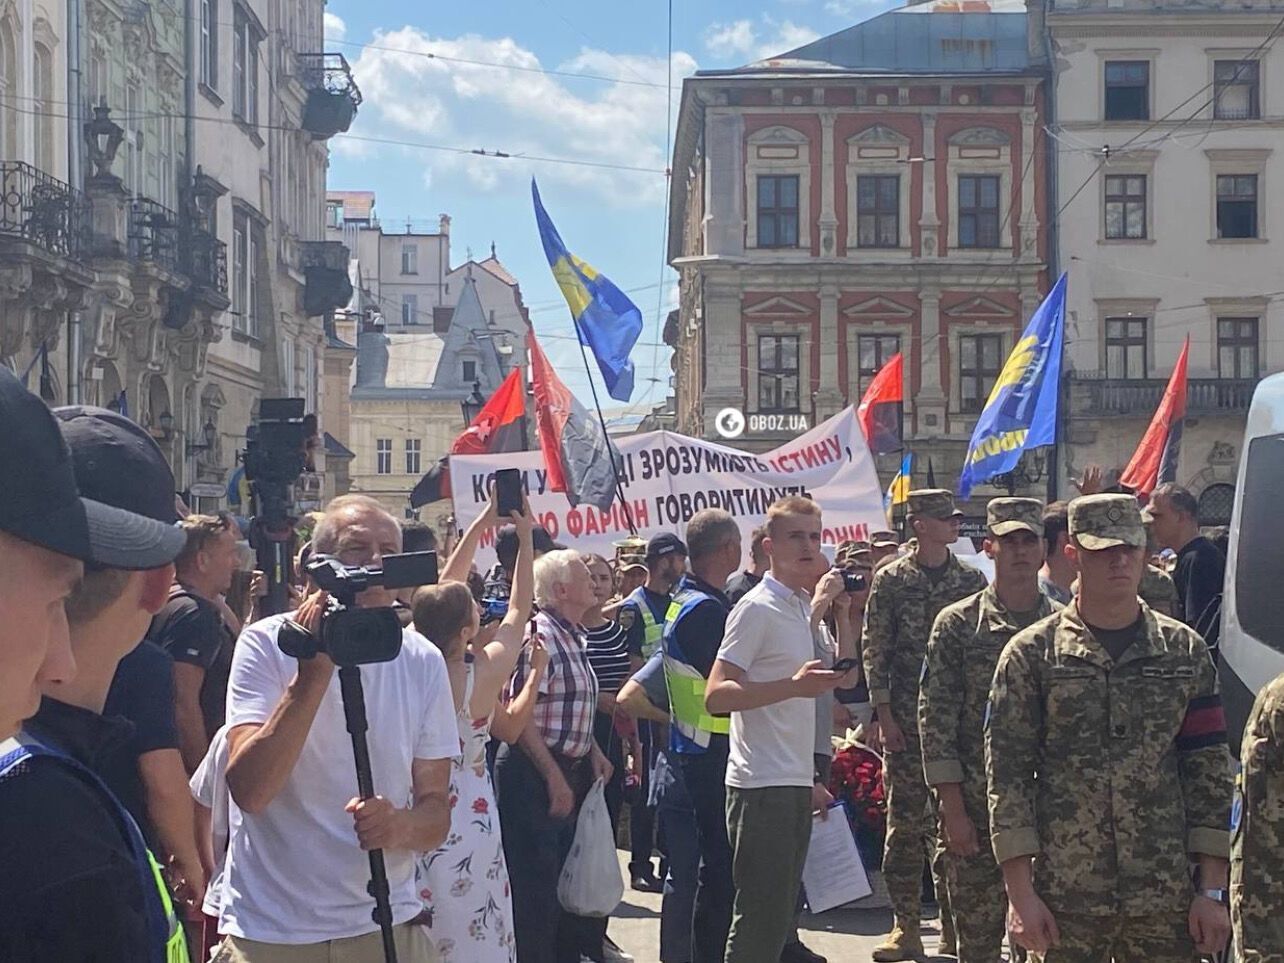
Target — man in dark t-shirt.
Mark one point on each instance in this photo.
(738, 585)
(191, 629)
(1201, 567)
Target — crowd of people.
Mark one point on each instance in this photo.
(175, 787)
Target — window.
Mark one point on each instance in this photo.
(980, 360)
(1237, 348)
(778, 372)
(334, 214)
(1237, 205)
(245, 69)
(1126, 348)
(978, 210)
(44, 108)
(875, 350)
(1127, 90)
(245, 273)
(878, 210)
(383, 456)
(309, 378)
(1125, 206)
(777, 210)
(1259, 563)
(209, 44)
(1236, 90)
(133, 138)
(470, 371)
(409, 259)
(410, 309)
(412, 456)
(1216, 503)
(240, 257)
(287, 368)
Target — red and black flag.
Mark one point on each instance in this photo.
(578, 455)
(499, 427)
(879, 412)
(1155, 460)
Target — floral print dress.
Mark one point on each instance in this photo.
(464, 884)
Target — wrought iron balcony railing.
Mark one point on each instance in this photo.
(154, 233)
(327, 286)
(204, 260)
(1094, 393)
(42, 210)
(333, 96)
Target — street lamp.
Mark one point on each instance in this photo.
(473, 404)
(1028, 471)
(104, 137)
(166, 423)
(210, 433)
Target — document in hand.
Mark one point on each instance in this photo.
(833, 874)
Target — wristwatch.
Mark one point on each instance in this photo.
(1216, 895)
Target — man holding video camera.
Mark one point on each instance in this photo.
(297, 869)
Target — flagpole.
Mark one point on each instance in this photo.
(610, 451)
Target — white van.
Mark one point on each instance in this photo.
(1252, 638)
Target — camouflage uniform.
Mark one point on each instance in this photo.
(903, 602)
(1131, 762)
(1257, 850)
(961, 655)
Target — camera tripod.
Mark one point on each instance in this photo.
(354, 713)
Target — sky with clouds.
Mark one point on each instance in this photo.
(548, 82)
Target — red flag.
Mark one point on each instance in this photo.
(577, 453)
(1155, 460)
(879, 412)
(499, 427)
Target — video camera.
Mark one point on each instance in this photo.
(353, 636)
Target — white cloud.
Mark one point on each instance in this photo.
(750, 41)
(854, 8)
(411, 96)
(335, 28)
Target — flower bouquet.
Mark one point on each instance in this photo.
(856, 781)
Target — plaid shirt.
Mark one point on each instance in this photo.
(568, 691)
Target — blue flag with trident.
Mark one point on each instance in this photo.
(1021, 411)
(607, 322)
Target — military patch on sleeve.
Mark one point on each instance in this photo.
(1237, 803)
(626, 616)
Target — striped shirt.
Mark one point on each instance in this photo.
(568, 691)
(608, 654)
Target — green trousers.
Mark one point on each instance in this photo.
(769, 830)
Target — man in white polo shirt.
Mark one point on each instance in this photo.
(767, 677)
(294, 887)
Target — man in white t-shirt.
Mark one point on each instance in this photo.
(294, 886)
(766, 675)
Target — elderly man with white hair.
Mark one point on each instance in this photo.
(296, 871)
(543, 778)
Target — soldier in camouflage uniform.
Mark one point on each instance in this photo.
(961, 655)
(904, 600)
(1257, 845)
(1117, 711)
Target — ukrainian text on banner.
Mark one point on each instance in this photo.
(669, 477)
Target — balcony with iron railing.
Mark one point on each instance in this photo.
(333, 96)
(154, 234)
(327, 286)
(1093, 393)
(204, 260)
(42, 210)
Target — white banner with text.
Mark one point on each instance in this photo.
(668, 477)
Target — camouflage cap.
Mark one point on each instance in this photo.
(933, 503)
(1006, 515)
(1104, 521)
(884, 540)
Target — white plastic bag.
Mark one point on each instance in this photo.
(591, 883)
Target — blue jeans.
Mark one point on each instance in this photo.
(677, 908)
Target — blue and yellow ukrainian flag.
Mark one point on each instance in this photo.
(898, 491)
(607, 322)
(1021, 411)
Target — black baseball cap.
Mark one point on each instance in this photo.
(666, 543)
(117, 464)
(42, 503)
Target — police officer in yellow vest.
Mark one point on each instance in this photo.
(88, 886)
(698, 741)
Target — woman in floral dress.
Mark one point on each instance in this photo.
(464, 883)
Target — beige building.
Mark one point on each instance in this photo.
(1170, 123)
(418, 339)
